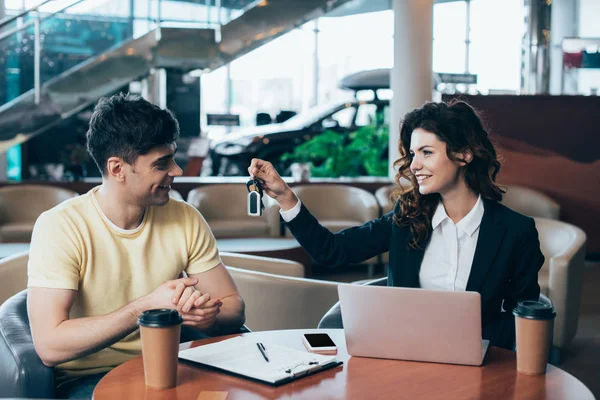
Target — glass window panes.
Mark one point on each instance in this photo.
(277, 76)
(495, 54)
(449, 35)
(343, 117)
(366, 114)
(350, 44)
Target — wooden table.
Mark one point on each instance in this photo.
(274, 247)
(359, 378)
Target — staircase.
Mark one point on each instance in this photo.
(121, 49)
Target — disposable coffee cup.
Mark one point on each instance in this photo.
(534, 323)
(160, 331)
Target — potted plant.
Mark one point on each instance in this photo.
(333, 154)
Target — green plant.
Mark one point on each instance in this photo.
(332, 154)
(370, 144)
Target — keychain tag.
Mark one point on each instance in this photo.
(255, 193)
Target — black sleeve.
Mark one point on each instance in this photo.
(350, 246)
(523, 285)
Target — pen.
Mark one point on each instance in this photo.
(262, 349)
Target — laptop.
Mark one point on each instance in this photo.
(413, 324)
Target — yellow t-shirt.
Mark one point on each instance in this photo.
(74, 246)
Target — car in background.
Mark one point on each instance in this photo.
(232, 154)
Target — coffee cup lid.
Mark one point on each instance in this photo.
(159, 318)
(534, 310)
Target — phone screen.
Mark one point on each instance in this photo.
(319, 340)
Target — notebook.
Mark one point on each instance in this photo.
(240, 356)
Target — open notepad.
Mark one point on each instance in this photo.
(240, 356)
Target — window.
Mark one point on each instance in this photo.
(495, 57)
(366, 114)
(343, 117)
(351, 44)
(449, 35)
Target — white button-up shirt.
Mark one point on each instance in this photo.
(449, 255)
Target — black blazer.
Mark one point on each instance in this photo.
(504, 270)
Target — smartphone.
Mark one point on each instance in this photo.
(319, 343)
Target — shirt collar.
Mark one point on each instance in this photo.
(439, 215)
(472, 220)
(468, 224)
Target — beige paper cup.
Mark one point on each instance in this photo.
(159, 330)
(534, 322)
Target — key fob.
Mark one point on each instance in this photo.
(255, 193)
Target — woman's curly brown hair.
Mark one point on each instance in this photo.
(459, 126)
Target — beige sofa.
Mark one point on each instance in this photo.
(225, 208)
(561, 276)
(283, 302)
(276, 295)
(530, 202)
(13, 275)
(21, 205)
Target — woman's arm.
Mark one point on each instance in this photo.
(349, 246)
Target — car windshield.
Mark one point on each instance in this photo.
(312, 115)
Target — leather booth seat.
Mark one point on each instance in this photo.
(282, 302)
(13, 275)
(225, 208)
(21, 205)
(530, 202)
(561, 276)
(276, 294)
(384, 194)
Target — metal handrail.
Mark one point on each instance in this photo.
(36, 22)
(37, 46)
(8, 20)
(46, 16)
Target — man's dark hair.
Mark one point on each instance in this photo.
(128, 126)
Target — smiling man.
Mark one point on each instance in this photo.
(99, 260)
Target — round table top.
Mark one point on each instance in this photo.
(237, 245)
(357, 378)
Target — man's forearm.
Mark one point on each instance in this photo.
(75, 338)
(231, 316)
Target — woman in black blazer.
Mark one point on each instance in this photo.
(448, 230)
